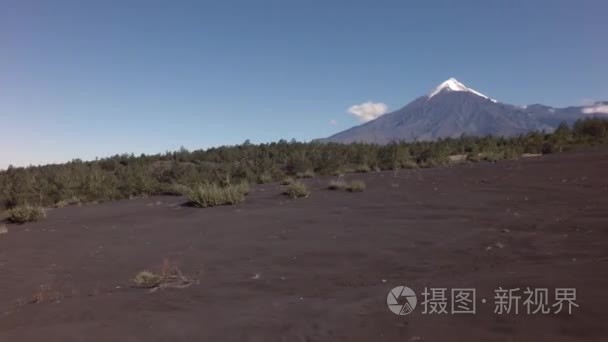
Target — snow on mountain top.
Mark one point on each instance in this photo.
(452, 84)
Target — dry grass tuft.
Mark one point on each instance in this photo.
(147, 279)
(168, 276)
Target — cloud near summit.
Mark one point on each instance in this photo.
(596, 109)
(368, 111)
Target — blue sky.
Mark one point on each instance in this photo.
(81, 79)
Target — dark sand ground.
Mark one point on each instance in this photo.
(324, 264)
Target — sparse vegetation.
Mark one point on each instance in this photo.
(305, 174)
(264, 178)
(127, 176)
(169, 276)
(407, 164)
(25, 213)
(336, 184)
(45, 294)
(242, 188)
(356, 186)
(340, 184)
(211, 195)
(176, 189)
(287, 181)
(296, 189)
(362, 168)
(147, 279)
(67, 202)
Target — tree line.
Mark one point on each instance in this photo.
(125, 176)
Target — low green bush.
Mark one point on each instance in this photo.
(409, 164)
(264, 178)
(306, 174)
(296, 189)
(242, 188)
(66, 202)
(25, 213)
(356, 186)
(362, 168)
(287, 181)
(176, 189)
(336, 184)
(211, 195)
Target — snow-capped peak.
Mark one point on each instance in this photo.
(452, 84)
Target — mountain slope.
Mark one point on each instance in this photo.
(451, 110)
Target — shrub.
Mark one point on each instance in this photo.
(242, 188)
(594, 127)
(61, 204)
(64, 203)
(287, 181)
(356, 186)
(210, 195)
(362, 168)
(306, 174)
(176, 189)
(409, 164)
(493, 156)
(296, 189)
(264, 178)
(336, 184)
(25, 213)
(474, 157)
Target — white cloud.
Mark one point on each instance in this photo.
(597, 109)
(368, 111)
(333, 122)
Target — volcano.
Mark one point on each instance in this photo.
(452, 110)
